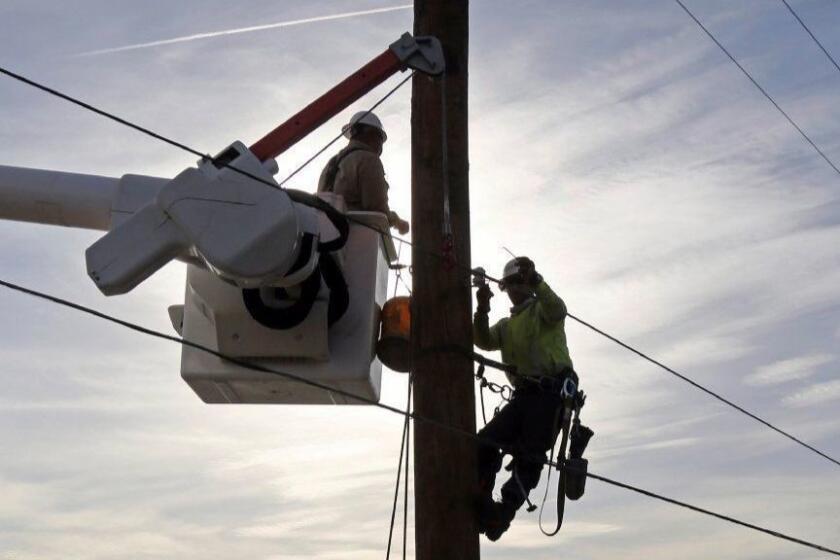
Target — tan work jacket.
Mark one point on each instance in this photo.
(360, 179)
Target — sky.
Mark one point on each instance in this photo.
(659, 193)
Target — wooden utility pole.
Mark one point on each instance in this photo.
(445, 472)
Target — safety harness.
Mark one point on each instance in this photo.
(333, 166)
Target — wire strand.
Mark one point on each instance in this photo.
(101, 112)
(704, 389)
(711, 513)
(761, 89)
(406, 413)
(442, 257)
(407, 457)
(817, 41)
(403, 448)
(341, 134)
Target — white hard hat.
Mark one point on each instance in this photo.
(511, 268)
(510, 272)
(367, 118)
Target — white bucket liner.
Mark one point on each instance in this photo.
(342, 356)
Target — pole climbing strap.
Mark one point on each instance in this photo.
(563, 420)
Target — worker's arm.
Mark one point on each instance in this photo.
(372, 184)
(551, 307)
(485, 336)
(374, 190)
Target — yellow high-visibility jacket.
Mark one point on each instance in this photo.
(533, 338)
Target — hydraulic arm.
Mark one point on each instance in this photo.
(245, 231)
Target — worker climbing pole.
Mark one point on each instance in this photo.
(546, 400)
(445, 462)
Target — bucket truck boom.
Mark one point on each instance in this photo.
(273, 275)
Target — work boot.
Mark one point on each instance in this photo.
(496, 520)
(485, 511)
(579, 440)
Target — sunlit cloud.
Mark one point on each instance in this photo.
(815, 394)
(788, 370)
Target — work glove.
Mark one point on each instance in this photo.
(398, 223)
(483, 296)
(402, 227)
(528, 272)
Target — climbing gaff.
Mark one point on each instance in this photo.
(394, 346)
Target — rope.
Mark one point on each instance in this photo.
(407, 456)
(406, 413)
(397, 272)
(403, 448)
(758, 86)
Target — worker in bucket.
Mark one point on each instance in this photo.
(534, 341)
(356, 172)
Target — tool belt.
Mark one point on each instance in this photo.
(552, 384)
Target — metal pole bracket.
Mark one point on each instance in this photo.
(423, 54)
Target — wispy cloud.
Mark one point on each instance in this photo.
(239, 30)
(788, 370)
(815, 394)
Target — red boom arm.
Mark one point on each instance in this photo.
(328, 105)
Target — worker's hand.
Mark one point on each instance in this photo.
(483, 296)
(398, 223)
(528, 272)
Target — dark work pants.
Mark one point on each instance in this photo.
(526, 428)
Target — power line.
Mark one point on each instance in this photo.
(406, 413)
(193, 151)
(102, 112)
(339, 136)
(716, 515)
(233, 168)
(323, 206)
(761, 89)
(817, 41)
(704, 389)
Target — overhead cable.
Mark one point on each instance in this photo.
(704, 389)
(710, 513)
(437, 254)
(761, 89)
(101, 112)
(405, 413)
(181, 145)
(817, 41)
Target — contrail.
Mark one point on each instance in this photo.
(212, 34)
